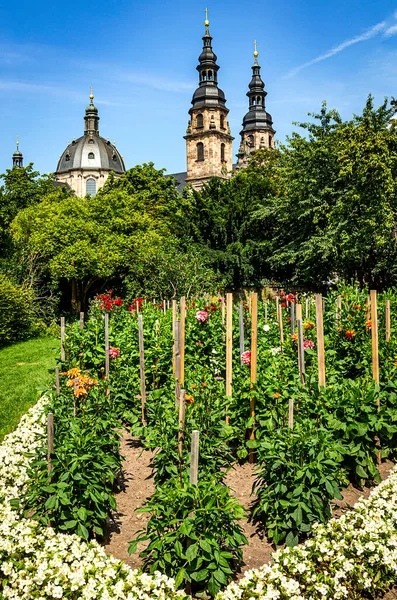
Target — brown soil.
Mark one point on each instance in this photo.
(138, 487)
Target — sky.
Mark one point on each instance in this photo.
(140, 57)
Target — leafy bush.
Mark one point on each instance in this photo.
(16, 311)
(193, 534)
(296, 479)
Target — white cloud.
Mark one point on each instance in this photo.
(370, 33)
(391, 31)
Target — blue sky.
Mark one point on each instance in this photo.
(140, 58)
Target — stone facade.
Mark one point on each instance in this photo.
(252, 141)
(77, 180)
(209, 127)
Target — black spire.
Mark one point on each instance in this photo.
(17, 157)
(91, 119)
(208, 93)
(257, 117)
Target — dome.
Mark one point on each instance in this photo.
(91, 152)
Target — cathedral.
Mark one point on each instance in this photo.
(87, 161)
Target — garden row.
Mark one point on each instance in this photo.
(249, 375)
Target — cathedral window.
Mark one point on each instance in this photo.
(204, 76)
(200, 151)
(90, 187)
(91, 155)
(209, 75)
(222, 152)
(67, 157)
(222, 121)
(270, 141)
(259, 100)
(200, 120)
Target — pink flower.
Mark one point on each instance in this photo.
(202, 316)
(308, 344)
(246, 357)
(114, 352)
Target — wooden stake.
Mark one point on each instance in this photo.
(299, 312)
(174, 318)
(50, 441)
(265, 312)
(281, 325)
(182, 340)
(229, 347)
(241, 328)
(292, 318)
(164, 307)
(301, 352)
(177, 361)
(63, 339)
(254, 349)
(223, 311)
(320, 340)
(374, 334)
(57, 383)
(291, 413)
(142, 368)
(194, 457)
(387, 315)
(181, 434)
(307, 308)
(339, 308)
(81, 320)
(107, 345)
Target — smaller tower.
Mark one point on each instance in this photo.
(17, 157)
(91, 119)
(257, 129)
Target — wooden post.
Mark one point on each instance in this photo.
(194, 457)
(281, 325)
(292, 309)
(63, 339)
(174, 318)
(142, 368)
(291, 413)
(182, 340)
(241, 328)
(107, 357)
(229, 347)
(387, 315)
(254, 349)
(307, 308)
(223, 310)
(374, 332)
(277, 311)
(157, 328)
(339, 308)
(265, 312)
(137, 307)
(81, 320)
(50, 440)
(301, 352)
(57, 383)
(164, 307)
(320, 340)
(177, 361)
(182, 404)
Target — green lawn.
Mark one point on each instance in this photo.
(23, 367)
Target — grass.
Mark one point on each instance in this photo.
(23, 368)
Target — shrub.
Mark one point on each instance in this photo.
(16, 311)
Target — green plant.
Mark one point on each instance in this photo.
(193, 534)
(16, 311)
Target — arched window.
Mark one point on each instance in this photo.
(200, 120)
(204, 76)
(259, 100)
(253, 101)
(114, 157)
(270, 141)
(67, 157)
(222, 152)
(90, 187)
(200, 151)
(209, 75)
(91, 155)
(222, 121)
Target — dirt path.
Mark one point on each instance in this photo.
(138, 487)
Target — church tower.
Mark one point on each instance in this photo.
(208, 138)
(17, 158)
(257, 129)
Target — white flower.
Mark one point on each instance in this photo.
(266, 327)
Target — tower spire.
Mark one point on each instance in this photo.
(17, 157)
(257, 129)
(91, 119)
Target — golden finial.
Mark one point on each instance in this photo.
(91, 94)
(206, 22)
(256, 53)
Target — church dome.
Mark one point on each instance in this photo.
(91, 151)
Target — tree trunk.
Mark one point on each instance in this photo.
(75, 296)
